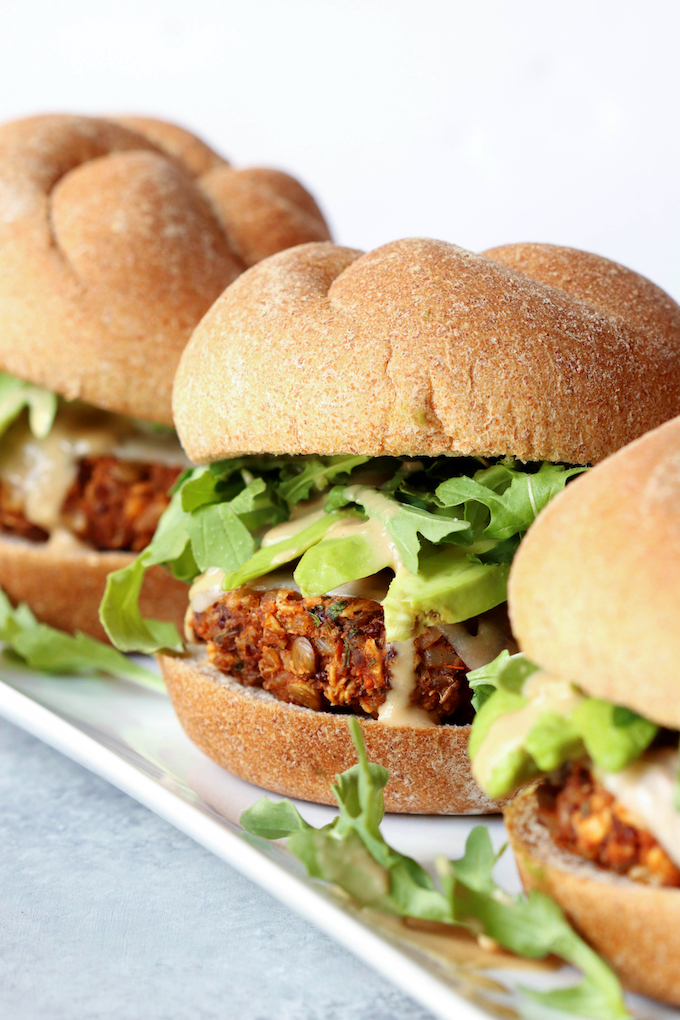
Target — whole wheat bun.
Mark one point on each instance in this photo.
(298, 752)
(422, 348)
(594, 590)
(635, 927)
(64, 587)
(115, 238)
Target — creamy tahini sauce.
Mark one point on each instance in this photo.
(374, 530)
(206, 589)
(397, 709)
(282, 532)
(646, 789)
(481, 648)
(43, 470)
(546, 693)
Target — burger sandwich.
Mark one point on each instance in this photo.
(377, 432)
(116, 235)
(592, 710)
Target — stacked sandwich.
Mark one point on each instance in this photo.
(594, 706)
(381, 429)
(115, 238)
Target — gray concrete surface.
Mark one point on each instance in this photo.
(106, 911)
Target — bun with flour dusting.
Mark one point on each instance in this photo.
(594, 599)
(116, 235)
(404, 415)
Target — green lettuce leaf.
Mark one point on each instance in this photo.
(119, 610)
(15, 395)
(54, 651)
(533, 926)
(403, 523)
(512, 498)
(486, 679)
(317, 474)
(350, 852)
(613, 736)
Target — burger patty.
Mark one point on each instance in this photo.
(326, 652)
(112, 504)
(13, 521)
(586, 819)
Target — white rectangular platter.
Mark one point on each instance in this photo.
(130, 736)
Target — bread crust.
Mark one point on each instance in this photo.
(594, 590)
(298, 752)
(111, 251)
(64, 587)
(635, 927)
(423, 348)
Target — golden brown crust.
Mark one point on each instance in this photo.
(594, 591)
(635, 927)
(298, 752)
(263, 211)
(64, 587)
(420, 347)
(111, 251)
(179, 143)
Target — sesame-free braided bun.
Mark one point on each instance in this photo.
(115, 238)
(423, 348)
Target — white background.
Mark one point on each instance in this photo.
(475, 121)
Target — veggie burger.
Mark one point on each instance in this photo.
(377, 432)
(594, 707)
(115, 238)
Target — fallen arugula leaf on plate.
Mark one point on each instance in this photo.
(350, 852)
(54, 651)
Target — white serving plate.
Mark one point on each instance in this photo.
(130, 736)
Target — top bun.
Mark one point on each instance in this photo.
(115, 238)
(594, 591)
(422, 348)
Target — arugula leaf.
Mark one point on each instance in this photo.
(485, 680)
(199, 488)
(119, 611)
(218, 537)
(121, 618)
(187, 543)
(533, 926)
(15, 395)
(403, 523)
(513, 498)
(318, 474)
(54, 651)
(350, 852)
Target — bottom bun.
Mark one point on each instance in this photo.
(635, 927)
(298, 752)
(64, 587)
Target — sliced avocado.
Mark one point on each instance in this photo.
(335, 561)
(537, 739)
(448, 587)
(552, 741)
(614, 737)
